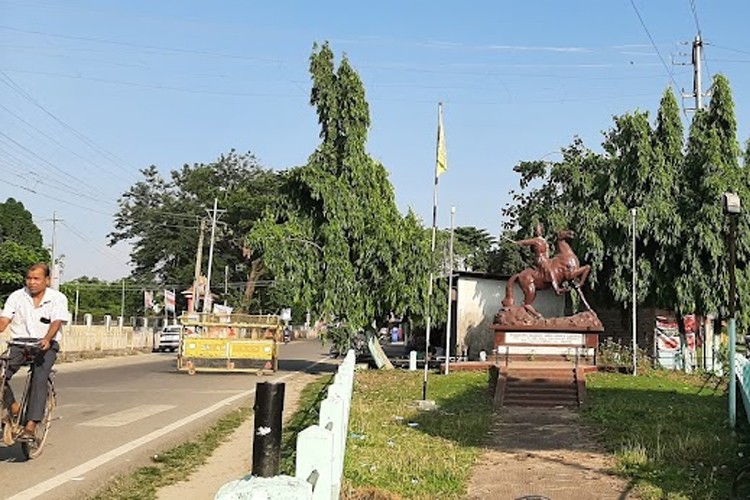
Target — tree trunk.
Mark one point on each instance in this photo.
(256, 269)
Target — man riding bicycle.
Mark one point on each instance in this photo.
(35, 312)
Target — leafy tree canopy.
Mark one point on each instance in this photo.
(336, 242)
(162, 218)
(20, 245)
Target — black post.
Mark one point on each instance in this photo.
(269, 405)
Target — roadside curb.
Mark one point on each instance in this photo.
(136, 357)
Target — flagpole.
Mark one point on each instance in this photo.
(440, 167)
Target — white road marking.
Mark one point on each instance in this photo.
(128, 416)
(84, 468)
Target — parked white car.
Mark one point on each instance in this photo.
(168, 338)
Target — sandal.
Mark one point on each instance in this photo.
(26, 436)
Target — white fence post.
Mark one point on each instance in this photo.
(332, 417)
(313, 463)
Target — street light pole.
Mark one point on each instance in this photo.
(634, 309)
(733, 208)
(450, 296)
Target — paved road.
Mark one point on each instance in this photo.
(114, 414)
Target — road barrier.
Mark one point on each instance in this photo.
(320, 451)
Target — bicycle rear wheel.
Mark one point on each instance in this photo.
(32, 449)
(5, 420)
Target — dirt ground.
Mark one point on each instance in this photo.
(544, 453)
(232, 460)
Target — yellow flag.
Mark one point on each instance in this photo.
(441, 165)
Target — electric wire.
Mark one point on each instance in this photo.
(158, 48)
(698, 27)
(114, 159)
(52, 139)
(653, 43)
(92, 244)
(31, 154)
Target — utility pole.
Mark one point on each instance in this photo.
(696, 58)
(214, 214)
(198, 259)
(697, 53)
(122, 306)
(55, 271)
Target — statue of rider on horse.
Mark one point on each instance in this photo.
(558, 272)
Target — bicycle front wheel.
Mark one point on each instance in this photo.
(32, 449)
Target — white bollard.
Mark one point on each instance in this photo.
(314, 452)
(333, 418)
(413, 361)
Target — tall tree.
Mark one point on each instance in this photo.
(711, 168)
(336, 241)
(474, 247)
(162, 218)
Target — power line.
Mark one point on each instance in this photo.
(695, 16)
(653, 43)
(698, 27)
(114, 159)
(48, 196)
(731, 49)
(33, 155)
(157, 87)
(91, 243)
(55, 141)
(175, 50)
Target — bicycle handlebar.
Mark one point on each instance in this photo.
(31, 344)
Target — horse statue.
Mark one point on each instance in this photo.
(559, 272)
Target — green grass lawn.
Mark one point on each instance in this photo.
(668, 432)
(395, 451)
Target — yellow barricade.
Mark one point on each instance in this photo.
(229, 343)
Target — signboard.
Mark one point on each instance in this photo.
(286, 314)
(169, 301)
(545, 338)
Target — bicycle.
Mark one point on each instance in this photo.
(13, 425)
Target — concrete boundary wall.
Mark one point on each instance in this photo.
(99, 338)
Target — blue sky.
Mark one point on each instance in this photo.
(90, 92)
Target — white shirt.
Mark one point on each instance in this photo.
(28, 321)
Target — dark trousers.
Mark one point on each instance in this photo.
(42, 361)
